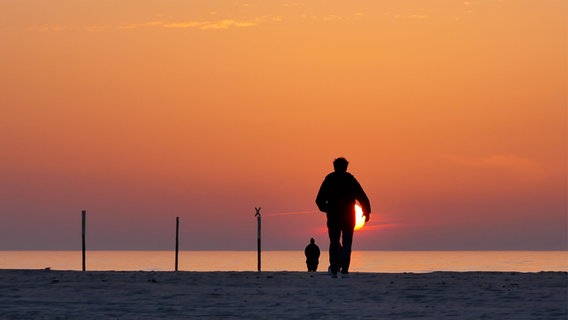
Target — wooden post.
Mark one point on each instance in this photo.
(84, 220)
(258, 238)
(177, 242)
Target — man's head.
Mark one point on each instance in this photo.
(340, 164)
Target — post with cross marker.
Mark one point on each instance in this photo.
(258, 239)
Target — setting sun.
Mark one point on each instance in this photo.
(360, 218)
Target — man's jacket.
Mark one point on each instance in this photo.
(337, 196)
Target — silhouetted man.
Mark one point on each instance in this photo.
(312, 253)
(337, 197)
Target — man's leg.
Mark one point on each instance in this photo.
(339, 255)
(334, 234)
(347, 241)
(312, 265)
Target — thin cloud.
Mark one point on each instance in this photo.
(331, 17)
(45, 29)
(410, 16)
(509, 161)
(295, 4)
(334, 17)
(183, 25)
(379, 226)
(291, 213)
(525, 167)
(142, 25)
(201, 25)
(96, 29)
(226, 24)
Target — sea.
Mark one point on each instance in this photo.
(361, 261)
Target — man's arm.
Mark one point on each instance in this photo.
(364, 201)
(321, 198)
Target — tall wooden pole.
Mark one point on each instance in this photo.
(258, 238)
(84, 220)
(177, 242)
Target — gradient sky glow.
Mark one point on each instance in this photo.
(453, 115)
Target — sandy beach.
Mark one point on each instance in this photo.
(49, 294)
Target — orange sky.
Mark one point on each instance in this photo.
(453, 115)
